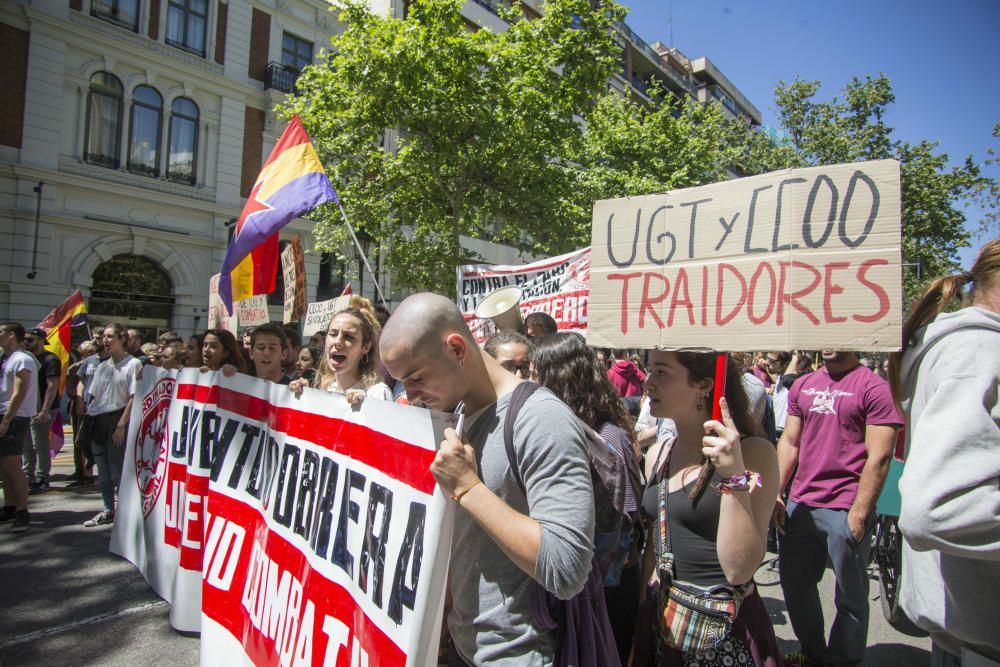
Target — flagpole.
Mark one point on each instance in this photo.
(357, 244)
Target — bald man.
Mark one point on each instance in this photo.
(503, 542)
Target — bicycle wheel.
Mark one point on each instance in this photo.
(889, 559)
(768, 573)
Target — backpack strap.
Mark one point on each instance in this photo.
(518, 398)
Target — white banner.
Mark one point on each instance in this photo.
(286, 530)
(559, 286)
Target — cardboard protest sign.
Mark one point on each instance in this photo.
(557, 286)
(218, 315)
(286, 530)
(293, 270)
(795, 259)
(253, 311)
(246, 313)
(318, 314)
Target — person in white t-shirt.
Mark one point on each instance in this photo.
(18, 404)
(108, 400)
(350, 361)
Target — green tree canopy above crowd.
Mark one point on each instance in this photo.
(854, 128)
(432, 130)
(482, 124)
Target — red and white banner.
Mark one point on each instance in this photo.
(559, 286)
(288, 531)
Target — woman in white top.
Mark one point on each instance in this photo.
(349, 364)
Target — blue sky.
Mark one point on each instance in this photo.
(942, 57)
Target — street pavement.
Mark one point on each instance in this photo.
(66, 600)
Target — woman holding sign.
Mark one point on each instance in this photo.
(707, 532)
(350, 360)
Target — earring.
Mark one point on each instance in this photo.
(364, 359)
(699, 406)
(461, 363)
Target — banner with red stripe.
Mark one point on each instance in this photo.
(295, 528)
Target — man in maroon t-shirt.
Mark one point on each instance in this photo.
(840, 431)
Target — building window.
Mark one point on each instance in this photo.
(104, 120)
(144, 133)
(124, 13)
(332, 277)
(295, 53)
(186, 21)
(183, 141)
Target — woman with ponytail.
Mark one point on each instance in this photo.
(719, 483)
(349, 364)
(947, 381)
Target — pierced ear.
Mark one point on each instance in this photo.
(456, 346)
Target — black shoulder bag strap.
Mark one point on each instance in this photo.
(518, 398)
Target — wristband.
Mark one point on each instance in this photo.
(468, 487)
(745, 481)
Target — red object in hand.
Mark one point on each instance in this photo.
(721, 361)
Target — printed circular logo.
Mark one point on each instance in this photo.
(151, 444)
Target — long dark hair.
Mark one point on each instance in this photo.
(701, 365)
(983, 276)
(234, 355)
(570, 370)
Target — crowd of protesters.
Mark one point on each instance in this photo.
(794, 464)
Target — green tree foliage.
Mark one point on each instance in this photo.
(432, 130)
(854, 128)
(635, 149)
(988, 198)
(480, 121)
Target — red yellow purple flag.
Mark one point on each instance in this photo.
(291, 183)
(58, 327)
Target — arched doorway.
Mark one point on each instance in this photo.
(135, 291)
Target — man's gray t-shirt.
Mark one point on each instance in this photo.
(490, 620)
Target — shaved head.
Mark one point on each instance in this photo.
(427, 346)
(420, 323)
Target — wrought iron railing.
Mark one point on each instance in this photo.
(280, 77)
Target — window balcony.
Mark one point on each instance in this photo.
(281, 78)
(679, 80)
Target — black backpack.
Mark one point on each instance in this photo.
(584, 637)
(607, 471)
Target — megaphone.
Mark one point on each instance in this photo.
(502, 308)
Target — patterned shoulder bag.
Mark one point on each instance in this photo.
(693, 619)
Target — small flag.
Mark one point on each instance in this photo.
(291, 183)
(58, 330)
(347, 290)
(57, 437)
